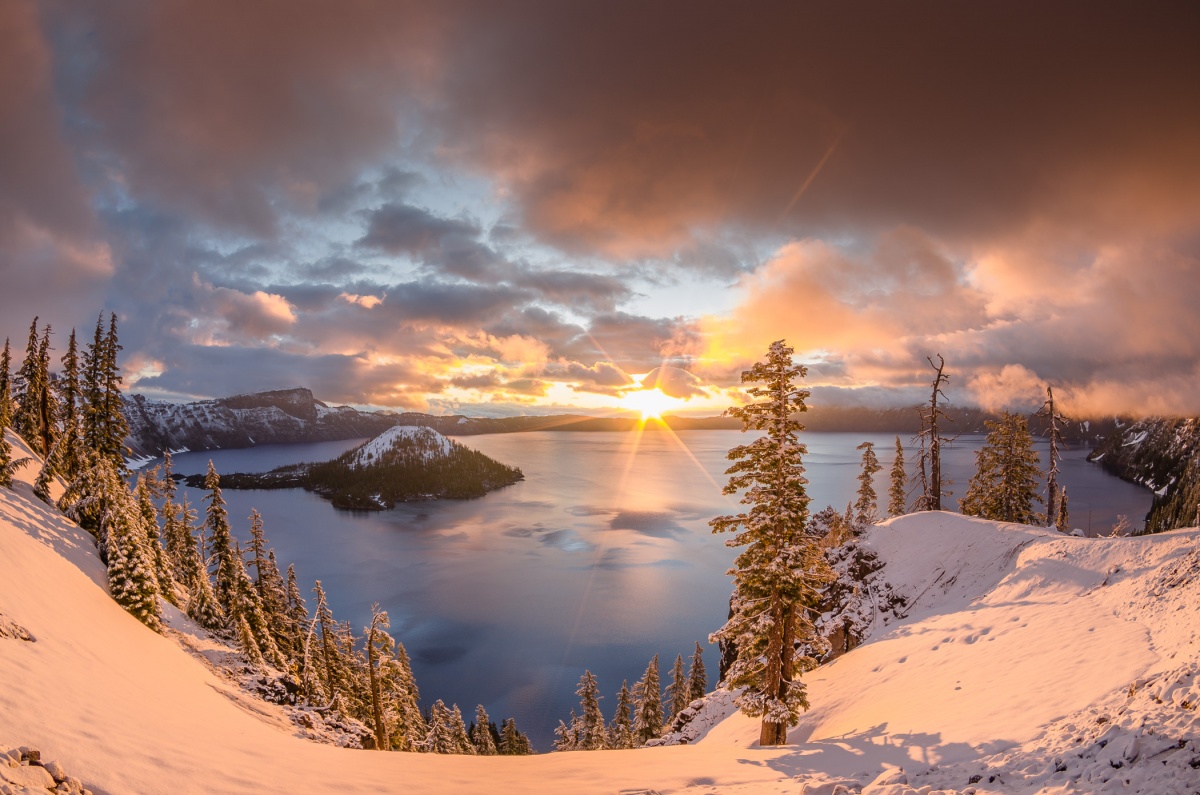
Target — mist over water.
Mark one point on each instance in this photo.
(599, 559)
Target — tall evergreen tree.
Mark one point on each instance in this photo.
(930, 441)
(379, 652)
(8, 466)
(620, 731)
(244, 603)
(513, 742)
(1054, 419)
(697, 676)
(677, 690)
(591, 720)
(1004, 486)
(202, 605)
(32, 381)
(1063, 523)
(6, 386)
(104, 426)
(897, 490)
(154, 546)
(41, 486)
(130, 564)
(408, 729)
(220, 541)
(566, 735)
(485, 744)
(779, 574)
(866, 507)
(647, 696)
(69, 396)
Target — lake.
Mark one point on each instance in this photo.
(599, 559)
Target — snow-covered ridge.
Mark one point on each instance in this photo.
(413, 444)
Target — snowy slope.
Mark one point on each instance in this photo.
(1034, 662)
(406, 442)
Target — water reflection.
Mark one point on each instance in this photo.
(600, 558)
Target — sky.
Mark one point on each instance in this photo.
(501, 207)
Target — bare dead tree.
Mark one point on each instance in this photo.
(1056, 439)
(929, 442)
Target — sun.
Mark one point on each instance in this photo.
(650, 402)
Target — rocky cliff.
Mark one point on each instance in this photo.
(1161, 454)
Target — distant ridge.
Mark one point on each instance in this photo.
(287, 416)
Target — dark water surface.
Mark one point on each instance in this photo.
(599, 559)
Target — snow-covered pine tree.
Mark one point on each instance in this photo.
(779, 573)
(930, 441)
(69, 396)
(183, 553)
(1004, 486)
(380, 648)
(297, 615)
(30, 383)
(6, 386)
(332, 666)
(47, 401)
(458, 730)
(620, 731)
(130, 563)
(8, 465)
(275, 608)
(647, 696)
(677, 690)
(41, 486)
(104, 426)
(87, 498)
(439, 739)
(246, 643)
(1054, 419)
(866, 507)
(220, 541)
(202, 605)
(407, 725)
(355, 699)
(245, 604)
(481, 737)
(591, 734)
(566, 735)
(513, 742)
(145, 485)
(1063, 523)
(898, 489)
(697, 676)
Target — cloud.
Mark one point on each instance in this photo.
(404, 229)
(674, 382)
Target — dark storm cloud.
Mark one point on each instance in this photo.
(404, 229)
(959, 118)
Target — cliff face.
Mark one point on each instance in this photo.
(279, 417)
(1163, 455)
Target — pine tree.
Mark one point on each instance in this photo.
(69, 396)
(591, 720)
(130, 564)
(332, 666)
(458, 731)
(378, 649)
(866, 508)
(246, 643)
(1004, 486)
(6, 387)
(8, 466)
(41, 486)
(677, 690)
(513, 742)
(162, 568)
(47, 403)
(202, 605)
(439, 739)
(697, 676)
(104, 426)
(897, 491)
(620, 731)
(408, 729)
(566, 735)
(29, 385)
(297, 616)
(220, 540)
(930, 441)
(778, 576)
(245, 604)
(88, 497)
(648, 721)
(485, 744)
(1054, 419)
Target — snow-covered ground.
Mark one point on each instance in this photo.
(1025, 662)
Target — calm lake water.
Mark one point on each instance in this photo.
(599, 559)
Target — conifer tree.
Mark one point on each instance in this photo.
(1004, 486)
(458, 730)
(47, 403)
(130, 564)
(379, 651)
(104, 426)
(6, 387)
(297, 615)
(591, 734)
(866, 508)
(1054, 418)
(566, 735)
(275, 607)
(1063, 523)
(245, 604)
(513, 742)
(41, 486)
(332, 666)
(220, 540)
(677, 690)
(69, 396)
(485, 744)
(439, 739)
(930, 441)
(202, 605)
(620, 731)
(697, 676)
(8, 466)
(897, 491)
(647, 695)
(246, 643)
(28, 384)
(143, 489)
(779, 573)
(87, 498)
(408, 729)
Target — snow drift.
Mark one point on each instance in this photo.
(1023, 661)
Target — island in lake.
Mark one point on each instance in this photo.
(402, 464)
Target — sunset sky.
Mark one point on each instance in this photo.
(512, 207)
